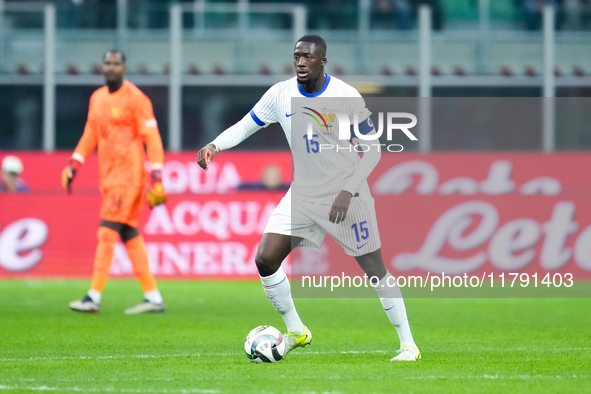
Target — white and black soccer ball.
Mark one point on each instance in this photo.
(264, 344)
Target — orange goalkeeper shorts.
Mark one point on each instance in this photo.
(123, 204)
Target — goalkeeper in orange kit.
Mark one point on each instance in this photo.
(120, 121)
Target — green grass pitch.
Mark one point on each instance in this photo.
(196, 346)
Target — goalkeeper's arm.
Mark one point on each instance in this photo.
(84, 148)
(156, 194)
(69, 172)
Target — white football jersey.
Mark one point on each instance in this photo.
(323, 163)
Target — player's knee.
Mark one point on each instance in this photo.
(372, 264)
(266, 263)
(375, 271)
(104, 253)
(142, 271)
(107, 235)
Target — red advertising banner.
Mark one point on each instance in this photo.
(448, 212)
(485, 213)
(207, 229)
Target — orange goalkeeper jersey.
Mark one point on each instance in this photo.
(119, 123)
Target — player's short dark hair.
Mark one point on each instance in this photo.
(314, 39)
(114, 51)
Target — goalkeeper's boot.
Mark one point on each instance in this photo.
(293, 340)
(406, 353)
(145, 307)
(85, 305)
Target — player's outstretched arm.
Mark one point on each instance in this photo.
(205, 155)
(229, 138)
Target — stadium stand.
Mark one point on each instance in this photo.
(456, 46)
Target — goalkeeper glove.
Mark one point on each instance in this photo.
(68, 174)
(156, 194)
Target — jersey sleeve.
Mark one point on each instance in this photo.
(265, 111)
(144, 116)
(89, 139)
(155, 150)
(237, 133)
(356, 108)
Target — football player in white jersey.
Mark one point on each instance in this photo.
(308, 212)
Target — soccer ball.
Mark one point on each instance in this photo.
(264, 344)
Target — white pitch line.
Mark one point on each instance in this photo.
(500, 377)
(111, 390)
(62, 380)
(110, 357)
(303, 353)
(121, 356)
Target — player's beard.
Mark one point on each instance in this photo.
(305, 82)
(114, 84)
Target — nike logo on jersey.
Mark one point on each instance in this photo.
(359, 247)
(288, 115)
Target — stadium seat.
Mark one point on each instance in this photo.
(193, 69)
(142, 69)
(288, 69)
(265, 70)
(410, 71)
(96, 69)
(529, 71)
(338, 70)
(22, 69)
(578, 71)
(505, 71)
(459, 71)
(386, 70)
(72, 69)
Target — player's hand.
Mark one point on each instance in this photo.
(68, 174)
(156, 194)
(205, 155)
(340, 207)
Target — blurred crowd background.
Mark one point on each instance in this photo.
(328, 14)
(232, 51)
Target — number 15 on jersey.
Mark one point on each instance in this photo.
(361, 230)
(312, 145)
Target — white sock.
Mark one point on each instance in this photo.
(393, 304)
(278, 291)
(154, 296)
(95, 295)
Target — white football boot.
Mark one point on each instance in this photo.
(85, 305)
(145, 307)
(407, 354)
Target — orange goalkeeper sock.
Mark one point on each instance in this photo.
(138, 254)
(105, 250)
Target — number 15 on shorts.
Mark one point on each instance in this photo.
(361, 230)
